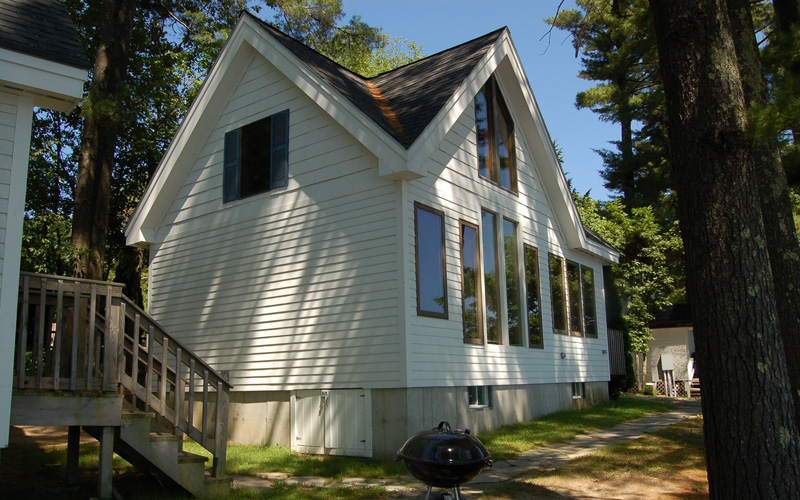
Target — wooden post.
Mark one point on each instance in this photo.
(179, 391)
(73, 453)
(115, 316)
(205, 412)
(22, 342)
(90, 335)
(57, 339)
(221, 431)
(106, 467)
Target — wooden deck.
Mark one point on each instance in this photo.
(86, 355)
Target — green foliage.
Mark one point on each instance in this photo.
(618, 52)
(646, 276)
(357, 46)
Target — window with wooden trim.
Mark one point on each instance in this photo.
(430, 257)
(558, 293)
(589, 311)
(532, 298)
(495, 137)
(470, 278)
(256, 157)
(491, 286)
(513, 289)
(573, 298)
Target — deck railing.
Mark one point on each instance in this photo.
(83, 336)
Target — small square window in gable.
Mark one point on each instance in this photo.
(256, 157)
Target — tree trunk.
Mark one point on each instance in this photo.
(773, 191)
(103, 113)
(787, 21)
(751, 435)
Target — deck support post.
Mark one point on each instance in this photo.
(106, 466)
(73, 453)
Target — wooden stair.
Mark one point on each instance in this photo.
(87, 357)
(694, 392)
(162, 454)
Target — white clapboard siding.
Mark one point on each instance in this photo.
(296, 288)
(8, 123)
(437, 354)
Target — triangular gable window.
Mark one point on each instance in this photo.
(495, 137)
(256, 157)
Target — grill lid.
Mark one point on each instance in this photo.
(443, 445)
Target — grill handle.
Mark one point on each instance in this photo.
(443, 424)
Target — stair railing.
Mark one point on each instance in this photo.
(169, 379)
(83, 336)
(67, 335)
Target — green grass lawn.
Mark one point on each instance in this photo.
(509, 441)
(25, 468)
(668, 464)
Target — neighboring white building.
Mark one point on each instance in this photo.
(42, 64)
(331, 241)
(673, 334)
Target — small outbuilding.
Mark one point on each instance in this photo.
(672, 349)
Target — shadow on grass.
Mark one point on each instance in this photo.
(522, 491)
(509, 441)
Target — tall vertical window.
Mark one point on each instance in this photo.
(431, 278)
(514, 318)
(574, 293)
(490, 284)
(533, 305)
(589, 313)
(470, 294)
(495, 137)
(572, 289)
(558, 294)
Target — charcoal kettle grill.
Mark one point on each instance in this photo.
(444, 458)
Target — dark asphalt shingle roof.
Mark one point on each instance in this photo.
(402, 101)
(41, 28)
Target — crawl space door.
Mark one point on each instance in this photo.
(332, 422)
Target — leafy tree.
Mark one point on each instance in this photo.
(644, 278)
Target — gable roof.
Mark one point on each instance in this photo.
(41, 28)
(400, 116)
(402, 101)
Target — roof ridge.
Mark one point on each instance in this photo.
(271, 27)
(440, 53)
(402, 101)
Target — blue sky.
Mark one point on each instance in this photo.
(441, 24)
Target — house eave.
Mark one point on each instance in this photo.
(52, 85)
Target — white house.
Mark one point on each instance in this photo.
(42, 63)
(367, 257)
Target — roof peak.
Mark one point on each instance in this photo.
(407, 97)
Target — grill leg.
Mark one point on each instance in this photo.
(457, 491)
(429, 492)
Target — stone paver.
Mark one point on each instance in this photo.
(534, 461)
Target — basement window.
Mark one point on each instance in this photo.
(578, 390)
(480, 397)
